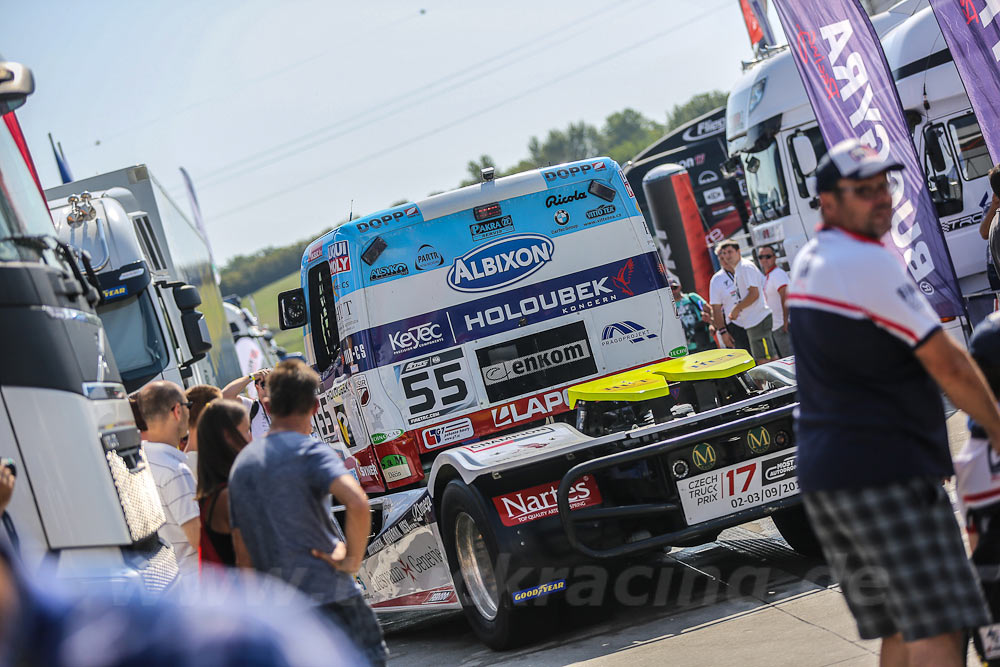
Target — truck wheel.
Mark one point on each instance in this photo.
(793, 524)
(472, 552)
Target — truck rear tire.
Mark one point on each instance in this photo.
(472, 551)
(793, 524)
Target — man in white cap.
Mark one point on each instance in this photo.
(870, 356)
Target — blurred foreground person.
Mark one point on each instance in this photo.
(165, 408)
(223, 430)
(245, 622)
(870, 355)
(279, 504)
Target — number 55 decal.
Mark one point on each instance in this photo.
(436, 385)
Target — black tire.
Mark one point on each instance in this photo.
(793, 524)
(510, 625)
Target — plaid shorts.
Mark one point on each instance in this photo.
(898, 554)
(359, 623)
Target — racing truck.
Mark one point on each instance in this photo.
(504, 371)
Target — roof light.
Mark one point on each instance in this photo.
(486, 211)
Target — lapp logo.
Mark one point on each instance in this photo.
(627, 330)
(340, 260)
(448, 433)
(541, 501)
(500, 263)
(525, 409)
(421, 335)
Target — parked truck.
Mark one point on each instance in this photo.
(161, 305)
(84, 502)
(772, 131)
(504, 371)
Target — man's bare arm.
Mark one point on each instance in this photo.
(192, 531)
(358, 523)
(957, 374)
(752, 294)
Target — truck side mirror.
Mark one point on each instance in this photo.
(291, 309)
(805, 154)
(186, 297)
(180, 300)
(16, 83)
(934, 152)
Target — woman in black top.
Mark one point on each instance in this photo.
(223, 430)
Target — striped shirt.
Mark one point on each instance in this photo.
(177, 490)
(869, 413)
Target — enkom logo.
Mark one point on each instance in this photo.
(500, 263)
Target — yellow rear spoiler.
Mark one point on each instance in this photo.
(653, 381)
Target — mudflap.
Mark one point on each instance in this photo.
(405, 567)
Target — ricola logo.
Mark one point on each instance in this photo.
(500, 263)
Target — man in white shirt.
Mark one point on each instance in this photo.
(775, 294)
(750, 310)
(165, 408)
(260, 417)
(722, 298)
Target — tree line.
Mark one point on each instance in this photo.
(622, 136)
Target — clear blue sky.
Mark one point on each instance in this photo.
(283, 113)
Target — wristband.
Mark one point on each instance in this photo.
(722, 330)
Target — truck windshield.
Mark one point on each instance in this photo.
(22, 209)
(766, 183)
(135, 337)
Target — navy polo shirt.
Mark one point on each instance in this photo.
(869, 413)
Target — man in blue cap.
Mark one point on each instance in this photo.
(872, 443)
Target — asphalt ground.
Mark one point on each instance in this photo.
(745, 599)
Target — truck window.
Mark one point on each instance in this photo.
(766, 183)
(323, 316)
(816, 139)
(134, 334)
(22, 210)
(942, 171)
(973, 157)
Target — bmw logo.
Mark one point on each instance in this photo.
(561, 217)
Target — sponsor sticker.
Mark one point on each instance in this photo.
(411, 211)
(759, 440)
(379, 438)
(315, 252)
(520, 507)
(488, 229)
(340, 259)
(561, 217)
(416, 337)
(677, 352)
(115, 292)
(361, 386)
(703, 456)
(427, 258)
(559, 200)
(619, 332)
(395, 467)
(539, 590)
(601, 211)
(389, 271)
(448, 433)
(628, 187)
(779, 469)
(385, 220)
(500, 263)
(714, 195)
(553, 175)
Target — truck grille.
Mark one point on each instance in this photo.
(137, 492)
(155, 563)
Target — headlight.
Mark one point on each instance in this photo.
(757, 93)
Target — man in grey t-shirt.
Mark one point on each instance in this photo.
(279, 504)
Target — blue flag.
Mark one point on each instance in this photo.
(841, 63)
(64, 172)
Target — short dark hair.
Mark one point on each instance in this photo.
(200, 395)
(219, 441)
(157, 399)
(994, 175)
(292, 388)
(728, 243)
(140, 423)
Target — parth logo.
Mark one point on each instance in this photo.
(500, 263)
(627, 330)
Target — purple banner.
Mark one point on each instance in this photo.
(846, 76)
(972, 31)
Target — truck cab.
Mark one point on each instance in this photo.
(161, 304)
(84, 505)
(445, 321)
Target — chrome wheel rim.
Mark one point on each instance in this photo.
(476, 566)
